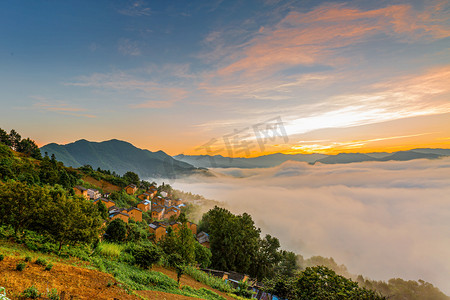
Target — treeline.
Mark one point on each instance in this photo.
(49, 210)
(236, 245)
(45, 171)
(15, 141)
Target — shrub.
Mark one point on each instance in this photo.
(116, 231)
(41, 262)
(31, 292)
(146, 256)
(49, 267)
(53, 295)
(2, 257)
(27, 258)
(21, 266)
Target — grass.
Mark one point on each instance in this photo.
(135, 278)
(110, 250)
(209, 280)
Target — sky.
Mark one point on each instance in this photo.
(237, 78)
(380, 219)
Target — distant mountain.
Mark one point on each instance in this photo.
(265, 161)
(409, 155)
(437, 151)
(345, 158)
(119, 156)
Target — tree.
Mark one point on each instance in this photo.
(21, 203)
(116, 231)
(131, 177)
(202, 255)
(103, 211)
(70, 219)
(234, 240)
(30, 148)
(176, 261)
(322, 283)
(4, 138)
(267, 258)
(146, 256)
(288, 264)
(14, 139)
(186, 244)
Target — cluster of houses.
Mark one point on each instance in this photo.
(161, 207)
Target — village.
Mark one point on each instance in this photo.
(164, 210)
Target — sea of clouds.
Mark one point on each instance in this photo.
(380, 219)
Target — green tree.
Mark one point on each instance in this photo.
(20, 204)
(116, 231)
(234, 240)
(146, 256)
(131, 177)
(30, 148)
(4, 138)
(176, 261)
(202, 255)
(267, 258)
(102, 209)
(322, 283)
(70, 220)
(14, 139)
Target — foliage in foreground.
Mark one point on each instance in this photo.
(319, 283)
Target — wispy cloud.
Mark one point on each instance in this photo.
(60, 107)
(128, 47)
(316, 36)
(325, 146)
(136, 8)
(142, 93)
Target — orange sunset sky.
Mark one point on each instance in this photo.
(198, 77)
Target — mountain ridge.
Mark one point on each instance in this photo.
(119, 156)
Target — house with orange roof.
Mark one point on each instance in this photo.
(131, 189)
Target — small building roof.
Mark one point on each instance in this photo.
(80, 188)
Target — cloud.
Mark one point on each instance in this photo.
(403, 97)
(128, 47)
(136, 9)
(147, 93)
(380, 219)
(60, 107)
(316, 36)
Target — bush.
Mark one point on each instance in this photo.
(41, 262)
(146, 256)
(31, 292)
(116, 231)
(48, 267)
(27, 258)
(21, 266)
(2, 257)
(53, 295)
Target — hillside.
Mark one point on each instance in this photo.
(119, 156)
(272, 160)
